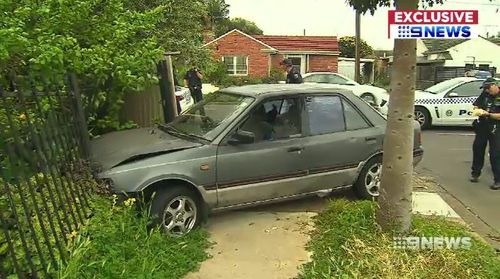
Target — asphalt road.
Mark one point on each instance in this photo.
(448, 158)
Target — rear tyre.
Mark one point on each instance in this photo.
(176, 210)
(423, 117)
(368, 184)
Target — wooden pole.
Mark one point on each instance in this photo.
(358, 48)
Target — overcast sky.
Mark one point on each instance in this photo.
(335, 17)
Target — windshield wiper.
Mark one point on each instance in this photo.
(176, 132)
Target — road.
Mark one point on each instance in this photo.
(448, 158)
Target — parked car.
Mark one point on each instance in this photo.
(183, 96)
(448, 103)
(245, 146)
(376, 96)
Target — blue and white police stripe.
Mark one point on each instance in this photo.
(443, 101)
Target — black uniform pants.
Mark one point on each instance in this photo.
(485, 136)
(196, 94)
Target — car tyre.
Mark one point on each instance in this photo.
(368, 184)
(423, 117)
(176, 210)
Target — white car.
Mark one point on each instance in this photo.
(376, 96)
(448, 103)
(183, 96)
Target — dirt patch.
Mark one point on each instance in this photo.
(256, 245)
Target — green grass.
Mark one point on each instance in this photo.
(116, 243)
(347, 243)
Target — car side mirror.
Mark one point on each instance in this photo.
(241, 137)
(453, 94)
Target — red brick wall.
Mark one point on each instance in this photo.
(323, 63)
(236, 44)
(276, 59)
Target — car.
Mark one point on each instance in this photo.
(376, 96)
(245, 146)
(448, 103)
(183, 95)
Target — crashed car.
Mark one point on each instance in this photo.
(249, 145)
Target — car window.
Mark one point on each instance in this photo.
(325, 114)
(443, 86)
(275, 120)
(334, 79)
(318, 78)
(353, 120)
(470, 89)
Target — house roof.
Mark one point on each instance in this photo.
(436, 45)
(300, 43)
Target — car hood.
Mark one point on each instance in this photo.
(117, 148)
(419, 94)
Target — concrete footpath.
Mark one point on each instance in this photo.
(269, 242)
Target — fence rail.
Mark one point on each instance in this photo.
(43, 144)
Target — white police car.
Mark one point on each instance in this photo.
(448, 103)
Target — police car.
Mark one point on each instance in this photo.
(448, 103)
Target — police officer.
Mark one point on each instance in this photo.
(293, 74)
(491, 87)
(192, 80)
(482, 127)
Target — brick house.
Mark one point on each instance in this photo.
(255, 56)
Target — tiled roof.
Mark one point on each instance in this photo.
(441, 45)
(300, 43)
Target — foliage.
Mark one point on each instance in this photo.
(364, 6)
(347, 46)
(348, 243)
(116, 242)
(217, 11)
(244, 25)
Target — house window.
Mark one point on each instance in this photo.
(236, 65)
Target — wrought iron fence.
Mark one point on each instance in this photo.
(43, 141)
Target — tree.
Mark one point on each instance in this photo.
(246, 26)
(395, 204)
(217, 11)
(347, 46)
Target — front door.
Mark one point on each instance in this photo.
(458, 108)
(273, 165)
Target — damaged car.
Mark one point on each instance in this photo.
(248, 145)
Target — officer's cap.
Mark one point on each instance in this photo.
(487, 83)
(287, 62)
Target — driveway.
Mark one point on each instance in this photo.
(448, 158)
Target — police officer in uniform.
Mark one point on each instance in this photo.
(192, 80)
(293, 74)
(491, 87)
(482, 127)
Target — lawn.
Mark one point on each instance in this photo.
(347, 243)
(115, 243)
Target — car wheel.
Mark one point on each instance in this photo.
(176, 210)
(368, 184)
(369, 98)
(423, 117)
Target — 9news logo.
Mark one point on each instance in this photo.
(443, 24)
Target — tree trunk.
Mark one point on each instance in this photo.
(394, 212)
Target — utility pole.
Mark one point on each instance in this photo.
(167, 87)
(358, 48)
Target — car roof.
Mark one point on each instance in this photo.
(270, 90)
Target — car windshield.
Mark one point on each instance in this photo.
(443, 86)
(207, 119)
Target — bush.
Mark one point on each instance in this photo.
(116, 242)
(348, 243)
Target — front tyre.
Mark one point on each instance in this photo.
(423, 117)
(176, 210)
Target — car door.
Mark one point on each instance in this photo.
(339, 138)
(457, 108)
(270, 167)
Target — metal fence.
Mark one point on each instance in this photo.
(43, 201)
